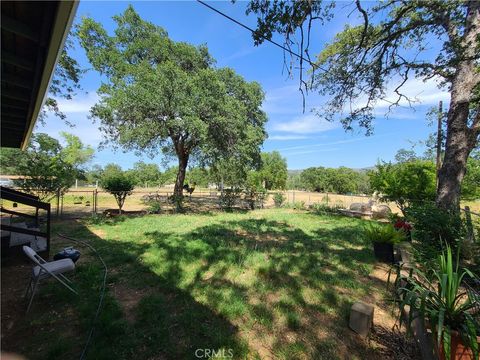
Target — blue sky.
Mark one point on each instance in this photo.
(303, 139)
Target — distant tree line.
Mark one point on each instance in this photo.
(411, 177)
(342, 180)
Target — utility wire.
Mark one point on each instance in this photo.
(102, 294)
(315, 66)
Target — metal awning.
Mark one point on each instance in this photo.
(33, 35)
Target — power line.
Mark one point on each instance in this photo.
(315, 66)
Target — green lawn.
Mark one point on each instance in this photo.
(267, 283)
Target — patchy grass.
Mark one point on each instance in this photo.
(269, 283)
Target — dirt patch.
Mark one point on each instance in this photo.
(15, 278)
(128, 299)
(17, 325)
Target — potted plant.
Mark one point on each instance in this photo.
(441, 301)
(383, 237)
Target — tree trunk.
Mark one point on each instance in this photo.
(463, 121)
(182, 169)
(457, 149)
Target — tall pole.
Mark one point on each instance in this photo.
(439, 139)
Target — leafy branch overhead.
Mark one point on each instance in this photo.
(396, 41)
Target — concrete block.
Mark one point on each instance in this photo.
(361, 318)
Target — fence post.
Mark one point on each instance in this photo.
(58, 203)
(327, 198)
(293, 200)
(96, 200)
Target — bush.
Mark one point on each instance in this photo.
(120, 185)
(255, 197)
(278, 199)
(228, 198)
(299, 205)
(154, 207)
(323, 208)
(433, 228)
(383, 233)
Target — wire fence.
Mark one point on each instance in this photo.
(86, 201)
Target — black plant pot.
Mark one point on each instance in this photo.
(384, 252)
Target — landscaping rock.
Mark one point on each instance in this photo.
(361, 318)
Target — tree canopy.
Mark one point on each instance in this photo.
(119, 184)
(165, 96)
(46, 166)
(405, 183)
(341, 180)
(372, 62)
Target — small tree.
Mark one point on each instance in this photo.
(119, 185)
(274, 171)
(47, 168)
(404, 183)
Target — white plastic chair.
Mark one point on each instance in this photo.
(45, 270)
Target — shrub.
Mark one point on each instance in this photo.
(154, 207)
(383, 233)
(299, 205)
(255, 197)
(228, 198)
(433, 228)
(119, 185)
(323, 208)
(278, 199)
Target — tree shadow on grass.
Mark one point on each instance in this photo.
(168, 322)
(280, 284)
(256, 286)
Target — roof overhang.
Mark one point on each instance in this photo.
(33, 36)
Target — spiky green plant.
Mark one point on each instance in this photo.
(441, 300)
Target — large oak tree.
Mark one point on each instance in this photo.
(397, 40)
(165, 96)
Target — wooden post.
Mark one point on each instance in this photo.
(58, 203)
(48, 229)
(439, 140)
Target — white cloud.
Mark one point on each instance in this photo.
(287, 137)
(79, 104)
(77, 111)
(422, 92)
(305, 124)
(312, 151)
(338, 142)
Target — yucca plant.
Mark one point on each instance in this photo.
(442, 302)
